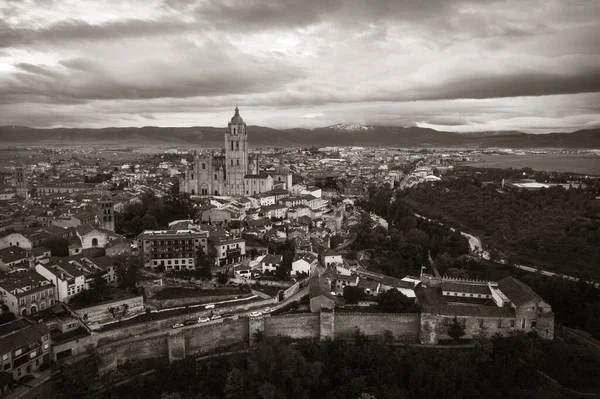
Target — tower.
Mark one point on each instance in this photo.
(108, 212)
(236, 155)
(21, 181)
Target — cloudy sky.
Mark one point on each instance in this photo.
(531, 65)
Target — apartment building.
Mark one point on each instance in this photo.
(172, 249)
(24, 347)
(26, 293)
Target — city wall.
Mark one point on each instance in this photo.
(295, 326)
(404, 327)
(200, 339)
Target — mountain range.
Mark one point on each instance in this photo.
(260, 136)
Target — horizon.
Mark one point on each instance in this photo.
(450, 65)
(284, 129)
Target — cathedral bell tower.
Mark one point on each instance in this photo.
(236, 155)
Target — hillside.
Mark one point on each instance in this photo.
(260, 136)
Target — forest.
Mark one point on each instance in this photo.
(554, 228)
(153, 213)
(408, 242)
(518, 367)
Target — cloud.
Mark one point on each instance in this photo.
(397, 62)
(80, 31)
(209, 70)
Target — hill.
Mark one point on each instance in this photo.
(260, 136)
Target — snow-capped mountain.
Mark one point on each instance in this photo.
(350, 127)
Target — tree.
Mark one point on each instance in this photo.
(393, 301)
(456, 330)
(234, 385)
(203, 265)
(353, 294)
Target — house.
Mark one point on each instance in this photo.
(88, 237)
(14, 257)
(330, 257)
(74, 274)
(532, 312)
(340, 282)
(303, 263)
(271, 262)
(320, 297)
(21, 240)
(219, 215)
(228, 251)
(118, 246)
(370, 287)
(26, 293)
(274, 211)
(24, 347)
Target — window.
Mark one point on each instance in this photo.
(480, 323)
(237, 145)
(18, 352)
(238, 162)
(512, 323)
(232, 143)
(215, 176)
(33, 298)
(499, 323)
(22, 301)
(5, 357)
(232, 159)
(533, 324)
(203, 167)
(94, 242)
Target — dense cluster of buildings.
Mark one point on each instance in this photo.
(244, 206)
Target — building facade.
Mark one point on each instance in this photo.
(172, 249)
(26, 293)
(232, 173)
(24, 347)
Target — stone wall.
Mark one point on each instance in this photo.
(206, 338)
(295, 326)
(404, 327)
(151, 346)
(434, 327)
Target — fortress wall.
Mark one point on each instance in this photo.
(295, 326)
(207, 338)
(404, 327)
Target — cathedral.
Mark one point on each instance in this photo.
(233, 172)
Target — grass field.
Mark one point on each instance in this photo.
(574, 163)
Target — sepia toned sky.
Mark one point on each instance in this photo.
(529, 65)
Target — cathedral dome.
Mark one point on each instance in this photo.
(236, 117)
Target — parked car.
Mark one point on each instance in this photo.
(210, 306)
(203, 319)
(227, 314)
(177, 325)
(26, 378)
(190, 322)
(215, 316)
(266, 310)
(255, 314)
